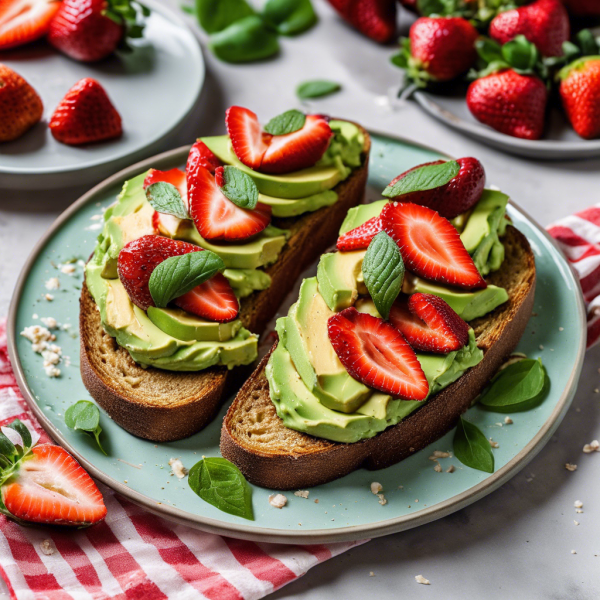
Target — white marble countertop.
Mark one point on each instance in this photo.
(517, 542)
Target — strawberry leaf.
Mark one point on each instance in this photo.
(85, 416)
(165, 198)
(239, 188)
(472, 448)
(427, 177)
(316, 89)
(383, 271)
(287, 122)
(180, 274)
(23, 431)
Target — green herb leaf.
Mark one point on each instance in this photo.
(180, 274)
(520, 54)
(246, 40)
(7, 448)
(216, 15)
(85, 416)
(383, 270)
(240, 188)
(287, 122)
(221, 483)
(317, 88)
(424, 178)
(289, 17)
(23, 431)
(472, 448)
(165, 198)
(515, 384)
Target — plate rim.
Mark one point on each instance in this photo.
(253, 532)
(197, 58)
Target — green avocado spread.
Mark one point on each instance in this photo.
(172, 339)
(310, 388)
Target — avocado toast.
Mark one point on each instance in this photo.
(344, 388)
(259, 207)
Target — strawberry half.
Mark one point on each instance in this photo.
(360, 237)
(213, 300)
(247, 137)
(429, 324)
(49, 486)
(201, 155)
(375, 353)
(218, 218)
(23, 21)
(430, 246)
(165, 224)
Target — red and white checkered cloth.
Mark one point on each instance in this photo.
(134, 554)
(579, 238)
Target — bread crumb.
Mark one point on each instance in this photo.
(47, 548)
(376, 487)
(573, 552)
(49, 322)
(578, 504)
(438, 468)
(576, 522)
(178, 468)
(450, 469)
(570, 467)
(439, 454)
(316, 501)
(371, 574)
(593, 446)
(420, 579)
(494, 444)
(508, 420)
(302, 493)
(382, 499)
(578, 511)
(52, 284)
(49, 297)
(541, 347)
(561, 328)
(277, 500)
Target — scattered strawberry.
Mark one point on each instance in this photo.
(23, 21)
(375, 353)
(200, 155)
(374, 18)
(429, 324)
(213, 300)
(85, 115)
(247, 137)
(360, 237)
(457, 196)
(20, 106)
(580, 93)
(511, 103)
(430, 245)
(583, 8)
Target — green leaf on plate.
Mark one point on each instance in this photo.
(165, 198)
(289, 17)
(180, 274)
(472, 448)
(221, 483)
(85, 416)
(239, 188)
(317, 88)
(423, 178)
(383, 271)
(515, 384)
(287, 122)
(216, 15)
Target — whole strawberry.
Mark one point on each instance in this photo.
(20, 106)
(90, 30)
(374, 18)
(580, 93)
(544, 23)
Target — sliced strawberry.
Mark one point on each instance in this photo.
(51, 487)
(375, 353)
(175, 177)
(23, 21)
(298, 150)
(430, 245)
(360, 237)
(201, 155)
(213, 300)
(218, 218)
(247, 137)
(429, 324)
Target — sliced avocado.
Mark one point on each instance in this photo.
(187, 327)
(340, 278)
(283, 207)
(246, 281)
(299, 184)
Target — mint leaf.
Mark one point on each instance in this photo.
(85, 416)
(423, 178)
(165, 198)
(316, 89)
(179, 274)
(239, 188)
(289, 17)
(383, 270)
(515, 384)
(221, 483)
(287, 122)
(216, 15)
(472, 448)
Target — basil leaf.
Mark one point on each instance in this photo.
(180, 274)
(216, 15)
(518, 383)
(289, 17)
(85, 416)
(423, 178)
(244, 41)
(165, 198)
(383, 271)
(221, 483)
(316, 89)
(239, 188)
(472, 448)
(287, 122)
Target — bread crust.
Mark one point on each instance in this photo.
(156, 412)
(299, 460)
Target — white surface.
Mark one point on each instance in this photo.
(517, 542)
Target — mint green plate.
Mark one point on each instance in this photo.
(347, 510)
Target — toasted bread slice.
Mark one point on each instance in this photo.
(271, 455)
(163, 406)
